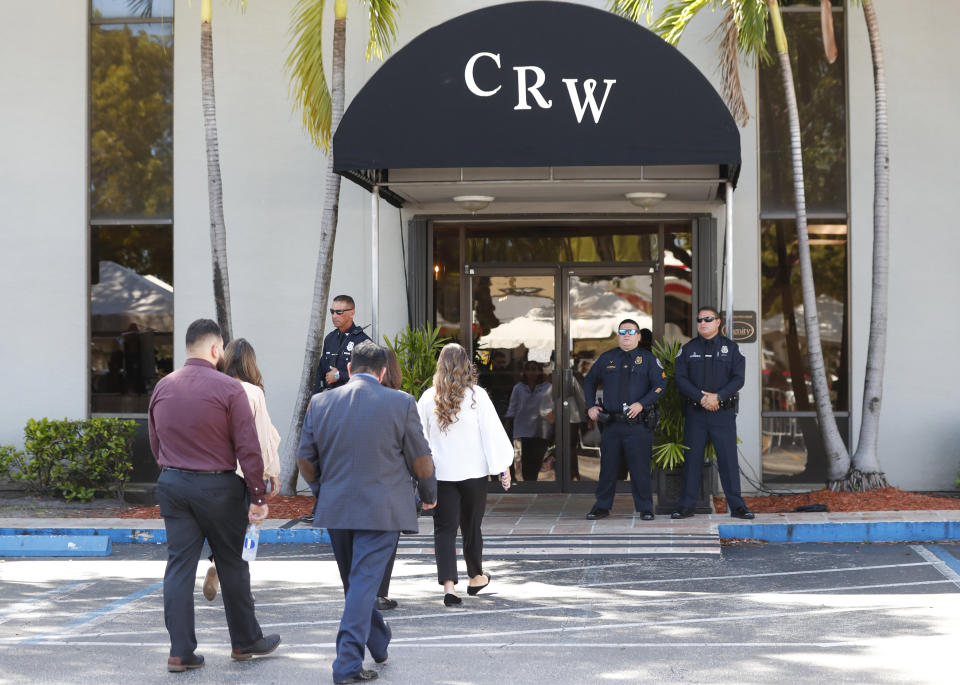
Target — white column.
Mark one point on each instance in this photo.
(375, 264)
(729, 259)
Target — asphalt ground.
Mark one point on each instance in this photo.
(754, 614)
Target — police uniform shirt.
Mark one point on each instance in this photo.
(646, 380)
(714, 365)
(337, 348)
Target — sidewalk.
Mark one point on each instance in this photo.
(554, 524)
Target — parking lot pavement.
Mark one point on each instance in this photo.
(755, 614)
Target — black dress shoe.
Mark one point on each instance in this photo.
(261, 647)
(360, 677)
(381, 659)
(384, 603)
(598, 513)
(741, 513)
(451, 600)
(474, 589)
(682, 513)
(179, 664)
(647, 516)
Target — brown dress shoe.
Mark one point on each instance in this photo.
(211, 583)
(178, 664)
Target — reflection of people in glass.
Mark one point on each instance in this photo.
(498, 383)
(530, 425)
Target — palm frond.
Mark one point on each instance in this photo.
(826, 31)
(751, 17)
(675, 17)
(308, 83)
(383, 16)
(729, 57)
(632, 9)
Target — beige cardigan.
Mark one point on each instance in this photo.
(268, 435)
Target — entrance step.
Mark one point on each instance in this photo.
(652, 544)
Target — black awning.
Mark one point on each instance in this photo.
(459, 95)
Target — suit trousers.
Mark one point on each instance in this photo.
(460, 503)
(362, 557)
(212, 506)
(720, 428)
(632, 443)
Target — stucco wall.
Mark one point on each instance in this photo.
(43, 239)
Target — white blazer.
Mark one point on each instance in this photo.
(474, 446)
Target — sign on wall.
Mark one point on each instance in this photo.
(744, 326)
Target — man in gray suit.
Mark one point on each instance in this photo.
(363, 443)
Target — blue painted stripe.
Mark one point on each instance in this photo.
(54, 546)
(945, 557)
(877, 531)
(159, 535)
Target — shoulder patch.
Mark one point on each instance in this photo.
(658, 390)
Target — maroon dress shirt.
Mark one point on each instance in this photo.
(200, 420)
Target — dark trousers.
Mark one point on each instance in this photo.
(212, 506)
(632, 443)
(361, 556)
(720, 428)
(460, 503)
(384, 590)
(531, 457)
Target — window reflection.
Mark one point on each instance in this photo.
(131, 117)
(114, 9)
(131, 315)
(821, 100)
(546, 244)
(678, 286)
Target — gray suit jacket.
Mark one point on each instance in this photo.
(362, 438)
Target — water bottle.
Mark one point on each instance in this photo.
(626, 408)
(250, 542)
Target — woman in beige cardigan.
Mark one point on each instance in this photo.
(240, 361)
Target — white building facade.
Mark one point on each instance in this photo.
(105, 254)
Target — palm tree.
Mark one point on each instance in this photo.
(322, 109)
(866, 473)
(218, 229)
(749, 19)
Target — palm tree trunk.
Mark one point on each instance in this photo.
(838, 459)
(866, 466)
(321, 283)
(218, 230)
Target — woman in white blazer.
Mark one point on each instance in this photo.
(468, 444)
(240, 362)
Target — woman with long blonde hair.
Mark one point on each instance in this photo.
(468, 444)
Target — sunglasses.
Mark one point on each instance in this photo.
(628, 331)
(339, 312)
(707, 319)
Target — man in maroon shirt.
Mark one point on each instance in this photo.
(200, 426)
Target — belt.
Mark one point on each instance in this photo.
(617, 417)
(194, 471)
(729, 403)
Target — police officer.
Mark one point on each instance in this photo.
(709, 371)
(338, 345)
(632, 379)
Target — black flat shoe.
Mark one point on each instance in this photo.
(598, 513)
(360, 677)
(742, 513)
(385, 603)
(682, 513)
(179, 664)
(474, 589)
(647, 516)
(450, 600)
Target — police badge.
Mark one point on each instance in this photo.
(724, 350)
(350, 346)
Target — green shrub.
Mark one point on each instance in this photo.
(75, 460)
(417, 350)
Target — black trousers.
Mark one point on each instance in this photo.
(460, 503)
(631, 443)
(212, 506)
(531, 457)
(384, 590)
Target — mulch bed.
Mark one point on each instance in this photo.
(882, 499)
(280, 508)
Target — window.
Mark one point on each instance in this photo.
(131, 201)
(791, 447)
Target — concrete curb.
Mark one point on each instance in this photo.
(54, 546)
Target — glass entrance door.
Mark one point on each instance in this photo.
(520, 318)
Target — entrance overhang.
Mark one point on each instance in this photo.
(544, 100)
